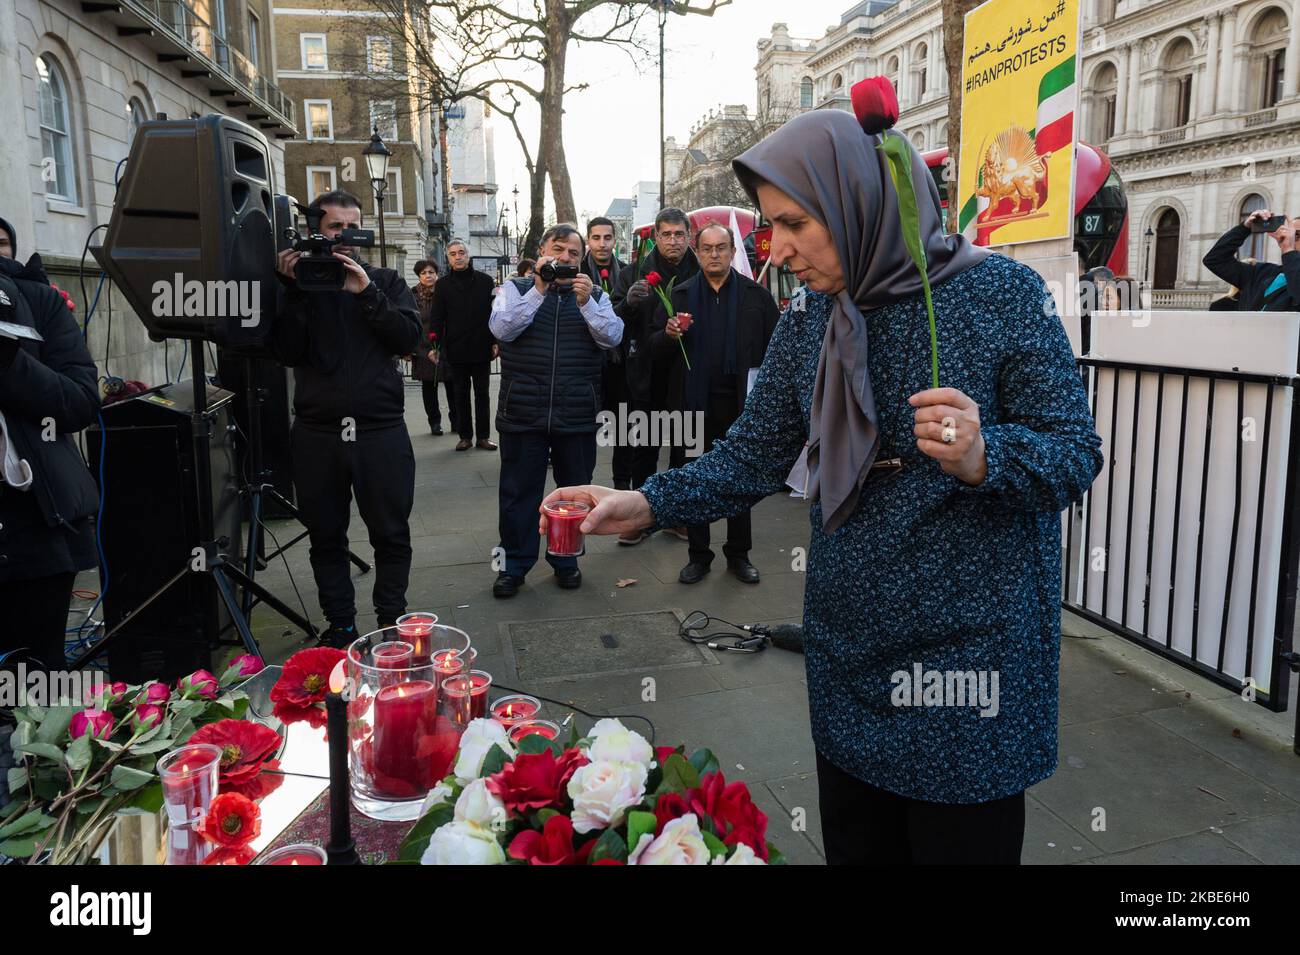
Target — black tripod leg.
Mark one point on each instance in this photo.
(293, 509)
(252, 588)
(232, 606)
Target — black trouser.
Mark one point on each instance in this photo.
(480, 374)
(523, 485)
(429, 390)
(379, 467)
(643, 459)
(721, 415)
(614, 388)
(34, 614)
(864, 825)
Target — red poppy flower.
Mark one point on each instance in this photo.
(552, 846)
(232, 820)
(875, 104)
(535, 780)
(306, 676)
(233, 855)
(653, 278)
(290, 713)
(732, 810)
(245, 748)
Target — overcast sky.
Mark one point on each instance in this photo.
(611, 131)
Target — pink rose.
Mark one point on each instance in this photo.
(99, 723)
(200, 683)
(154, 693)
(110, 692)
(248, 664)
(146, 716)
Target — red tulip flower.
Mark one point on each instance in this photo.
(875, 104)
(653, 279)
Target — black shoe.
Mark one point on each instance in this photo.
(437, 431)
(507, 585)
(338, 637)
(570, 578)
(382, 623)
(745, 572)
(693, 573)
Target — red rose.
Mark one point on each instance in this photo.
(146, 716)
(232, 820)
(552, 846)
(98, 723)
(248, 664)
(154, 693)
(109, 692)
(245, 748)
(875, 104)
(200, 683)
(670, 806)
(732, 810)
(306, 676)
(535, 780)
(653, 279)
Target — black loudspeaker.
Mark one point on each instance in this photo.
(275, 385)
(151, 525)
(191, 242)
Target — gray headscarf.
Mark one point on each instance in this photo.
(829, 166)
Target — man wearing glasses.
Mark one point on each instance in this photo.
(732, 319)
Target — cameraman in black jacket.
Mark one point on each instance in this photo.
(349, 433)
(48, 393)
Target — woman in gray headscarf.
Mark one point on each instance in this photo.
(931, 610)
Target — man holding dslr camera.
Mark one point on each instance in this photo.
(1263, 286)
(554, 329)
(349, 433)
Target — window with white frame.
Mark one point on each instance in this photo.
(320, 118)
(392, 195)
(315, 56)
(58, 161)
(320, 180)
(379, 54)
(254, 41)
(383, 118)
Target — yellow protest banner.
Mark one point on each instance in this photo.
(1020, 91)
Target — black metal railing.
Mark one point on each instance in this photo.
(1167, 521)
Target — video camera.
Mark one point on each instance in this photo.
(317, 270)
(552, 271)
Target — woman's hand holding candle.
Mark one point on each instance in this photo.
(964, 457)
(612, 512)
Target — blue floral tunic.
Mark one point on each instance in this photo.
(928, 573)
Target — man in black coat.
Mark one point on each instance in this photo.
(48, 392)
(462, 305)
(349, 432)
(604, 269)
(1263, 286)
(554, 335)
(635, 301)
(732, 322)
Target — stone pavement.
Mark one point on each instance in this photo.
(1182, 770)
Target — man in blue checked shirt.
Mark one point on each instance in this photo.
(553, 338)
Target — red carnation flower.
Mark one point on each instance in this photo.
(552, 846)
(306, 676)
(245, 748)
(535, 780)
(875, 104)
(653, 279)
(732, 810)
(232, 820)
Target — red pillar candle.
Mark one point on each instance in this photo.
(512, 710)
(543, 728)
(466, 696)
(300, 854)
(416, 628)
(563, 518)
(394, 655)
(404, 715)
(189, 781)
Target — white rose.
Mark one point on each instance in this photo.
(478, 805)
(479, 737)
(743, 855)
(680, 843)
(611, 740)
(602, 792)
(463, 843)
(438, 795)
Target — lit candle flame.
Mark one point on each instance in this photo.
(337, 678)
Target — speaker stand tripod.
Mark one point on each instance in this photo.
(225, 574)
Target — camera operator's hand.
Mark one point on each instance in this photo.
(582, 288)
(356, 280)
(537, 274)
(638, 293)
(286, 262)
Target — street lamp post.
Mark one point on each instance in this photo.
(1146, 257)
(662, 6)
(377, 155)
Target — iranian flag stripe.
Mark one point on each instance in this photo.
(1056, 96)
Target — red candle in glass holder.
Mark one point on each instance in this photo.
(393, 655)
(543, 728)
(684, 320)
(189, 782)
(512, 710)
(404, 715)
(415, 629)
(563, 520)
(466, 695)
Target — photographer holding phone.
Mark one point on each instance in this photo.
(553, 327)
(349, 432)
(1264, 286)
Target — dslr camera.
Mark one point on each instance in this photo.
(318, 270)
(552, 271)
